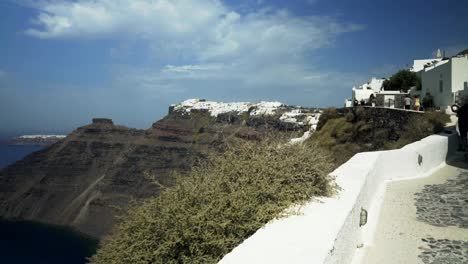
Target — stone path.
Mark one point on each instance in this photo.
(444, 204)
(424, 221)
(444, 251)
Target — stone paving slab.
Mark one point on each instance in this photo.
(424, 221)
(444, 204)
(443, 251)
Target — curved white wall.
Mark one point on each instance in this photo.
(327, 230)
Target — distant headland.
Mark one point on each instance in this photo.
(38, 140)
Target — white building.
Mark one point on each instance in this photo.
(419, 65)
(363, 92)
(446, 80)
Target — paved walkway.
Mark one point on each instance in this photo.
(424, 220)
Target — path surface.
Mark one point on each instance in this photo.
(424, 220)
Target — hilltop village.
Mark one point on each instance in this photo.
(437, 83)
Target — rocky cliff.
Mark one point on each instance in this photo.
(91, 177)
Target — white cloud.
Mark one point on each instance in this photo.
(192, 68)
(288, 83)
(145, 18)
(266, 48)
(203, 29)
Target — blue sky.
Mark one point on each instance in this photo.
(64, 62)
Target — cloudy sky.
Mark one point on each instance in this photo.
(64, 62)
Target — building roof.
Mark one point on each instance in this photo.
(374, 84)
(418, 65)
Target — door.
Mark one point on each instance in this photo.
(389, 101)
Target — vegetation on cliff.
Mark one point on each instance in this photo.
(219, 204)
(348, 132)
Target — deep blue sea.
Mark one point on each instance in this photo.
(24, 242)
(11, 153)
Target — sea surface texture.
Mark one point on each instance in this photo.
(25, 242)
(12, 153)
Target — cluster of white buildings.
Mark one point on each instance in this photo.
(362, 93)
(445, 79)
(295, 116)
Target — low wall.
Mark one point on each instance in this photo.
(327, 230)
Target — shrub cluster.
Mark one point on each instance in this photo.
(419, 127)
(219, 204)
(347, 133)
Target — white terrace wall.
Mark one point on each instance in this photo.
(327, 230)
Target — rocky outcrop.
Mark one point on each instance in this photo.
(107, 121)
(92, 176)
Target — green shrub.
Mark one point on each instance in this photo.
(219, 204)
(438, 120)
(403, 80)
(327, 114)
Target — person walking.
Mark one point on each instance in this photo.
(417, 103)
(407, 102)
(428, 102)
(372, 100)
(462, 114)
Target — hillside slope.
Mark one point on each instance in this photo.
(92, 176)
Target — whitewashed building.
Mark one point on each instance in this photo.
(445, 79)
(363, 92)
(419, 65)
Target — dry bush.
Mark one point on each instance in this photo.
(219, 204)
(327, 114)
(347, 134)
(419, 127)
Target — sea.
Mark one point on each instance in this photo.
(12, 153)
(25, 242)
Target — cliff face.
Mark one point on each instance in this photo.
(91, 177)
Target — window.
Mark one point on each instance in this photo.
(441, 86)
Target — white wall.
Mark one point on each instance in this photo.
(418, 65)
(430, 78)
(327, 230)
(453, 73)
(364, 91)
(459, 73)
(362, 94)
